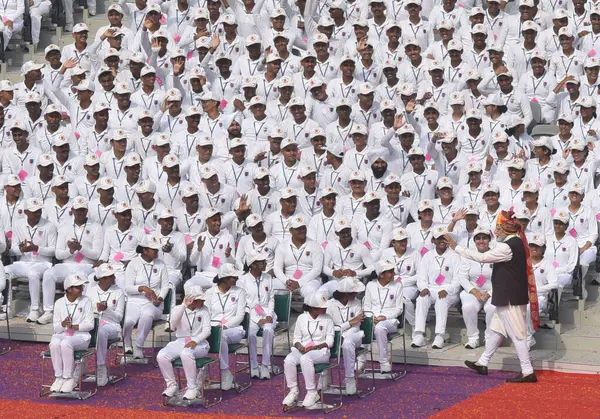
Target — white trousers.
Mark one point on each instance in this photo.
(105, 332)
(410, 294)
(307, 363)
(203, 279)
(177, 349)
(58, 273)
(142, 313)
(504, 316)
(68, 6)
(564, 280)
(36, 19)
(307, 288)
(543, 307)
(62, 349)
(233, 335)
(33, 271)
(382, 329)
(471, 307)
(586, 258)
(352, 341)
(2, 286)
(441, 311)
(268, 340)
(8, 33)
(91, 6)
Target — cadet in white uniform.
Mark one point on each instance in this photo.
(562, 249)
(347, 314)
(260, 299)
(108, 302)
(476, 281)
(407, 261)
(147, 285)
(73, 321)
(191, 321)
(383, 301)
(78, 245)
(34, 240)
(313, 337)
(298, 260)
(438, 284)
(227, 305)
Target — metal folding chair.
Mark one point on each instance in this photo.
(114, 344)
(6, 293)
(323, 371)
(203, 365)
(238, 365)
(80, 359)
(401, 332)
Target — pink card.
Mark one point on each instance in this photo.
(188, 239)
(159, 81)
(573, 232)
(223, 320)
(163, 20)
(188, 340)
(146, 230)
(310, 344)
(592, 53)
(216, 262)
(597, 216)
(259, 310)
(78, 257)
(189, 55)
(177, 38)
(77, 135)
(553, 211)
(35, 253)
(481, 280)
(297, 274)
(223, 104)
(98, 153)
(399, 279)
(69, 332)
(368, 244)
(118, 257)
(555, 264)
(427, 157)
(534, 100)
(304, 39)
(324, 244)
(22, 175)
(9, 235)
(424, 250)
(102, 322)
(440, 279)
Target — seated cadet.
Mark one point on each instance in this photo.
(545, 279)
(313, 338)
(383, 300)
(257, 240)
(562, 249)
(407, 261)
(227, 305)
(213, 249)
(108, 303)
(146, 284)
(345, 257)
(298, 261)
(73, 321)
(78, 246)
(260, 299)
(475, 279)
(191, 322)
(438, 283)
(34, 242)
(347, 314)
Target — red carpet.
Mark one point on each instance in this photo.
(556, 395)
(36, 410)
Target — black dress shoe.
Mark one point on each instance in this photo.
(531, 378)
(479, 369)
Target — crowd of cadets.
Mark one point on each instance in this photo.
(310, 145)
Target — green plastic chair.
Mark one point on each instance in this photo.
(80, 357)
(214, 342)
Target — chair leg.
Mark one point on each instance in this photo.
(45, 388)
